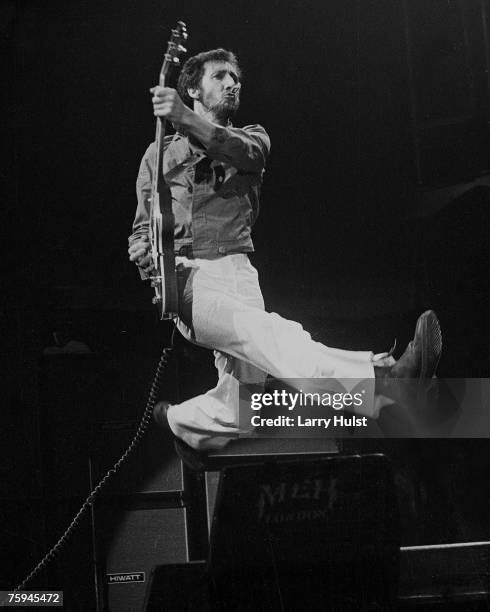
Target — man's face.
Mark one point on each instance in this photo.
(219, 91)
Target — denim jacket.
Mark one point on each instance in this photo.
(215, 191)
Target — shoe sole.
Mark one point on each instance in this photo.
(430, 332)
(160, 414)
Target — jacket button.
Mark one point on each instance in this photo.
(222, 250)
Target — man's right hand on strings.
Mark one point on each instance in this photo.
(139, 252)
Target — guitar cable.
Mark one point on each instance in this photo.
(142, 428)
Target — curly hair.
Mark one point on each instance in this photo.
(193, 70)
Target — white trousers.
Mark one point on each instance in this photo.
(223, 309)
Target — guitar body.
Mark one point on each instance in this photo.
(164, 282)
(162, 220)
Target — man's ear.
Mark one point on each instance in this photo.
(193, 93)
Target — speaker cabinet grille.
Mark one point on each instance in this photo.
(134, 541)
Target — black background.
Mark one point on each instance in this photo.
(374, 107)
(329, 81)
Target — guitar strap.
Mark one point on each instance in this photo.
(168, 228)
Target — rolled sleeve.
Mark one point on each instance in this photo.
(141, 223)
(143, 193)
(245, 148)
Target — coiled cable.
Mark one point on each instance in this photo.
(138, 436)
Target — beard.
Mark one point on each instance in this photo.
(225, 109)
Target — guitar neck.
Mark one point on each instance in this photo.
(160, 129)
(162, 222)
(159, 140)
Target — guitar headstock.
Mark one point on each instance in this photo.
(175, 48)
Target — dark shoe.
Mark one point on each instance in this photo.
(422, 354)
(195, 460)
(192, 458)
(409, 381)
(160, 414)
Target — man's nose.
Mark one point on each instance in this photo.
(229, 82)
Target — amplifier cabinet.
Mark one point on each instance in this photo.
(132, 539)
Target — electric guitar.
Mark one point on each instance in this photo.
(162, 221)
